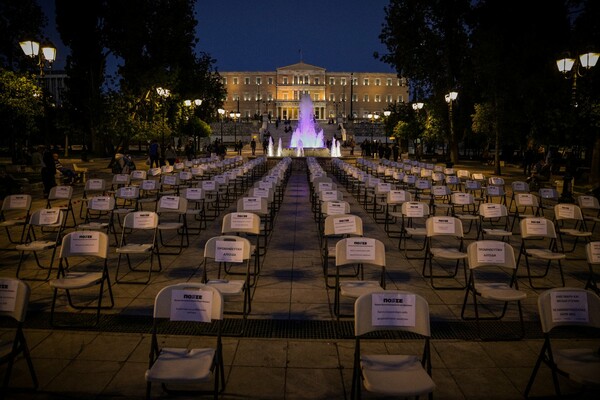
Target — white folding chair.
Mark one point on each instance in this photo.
(82, 249)
(391, 375)
(568, 310)
(590, 208)
(15, 294)
(172, 213)
(570, 226)
(15, 213)
(493, 222)
(414, 217)
(592, 252)
(493, 277)
(62, 194)
(246, 224)
(99, 215)
(191, 303)
(337, 227)
(93, 187)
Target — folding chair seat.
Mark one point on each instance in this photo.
(548, 199)
(444, 243)
(229, 252)
(196, 208)
(493, 222)
(43, 234)
(414, 217)
(356, 253)
(465, 209)
(391, 375)
(592, 253)
(493, 277)
(526, 206)
(590, 208)
(577, 309)
(99, 215)
(172, 217)
(62, 194)
(337, 227)
(15, 294)
(199, 369)
(393, 213)
(149, 190)
(539, 243)
(570, 226)
(82, 249)
(138, 238)
(93, 187)
(380, 201)
(15, 214)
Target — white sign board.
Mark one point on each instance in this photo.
(252, 203)
(169, 202)
(594, 252)
(393, 309)
(443, 225)
(362, 249)
(191, 305)
(8, 294)
(87, 242)
(343, 225)
(143, 220)
(536, 226)
(49, 216)
(569, 306)
(229, 251)
(490, 252)
(241, 221)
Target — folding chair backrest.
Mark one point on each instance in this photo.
(592, 253)
(462, 199)
(101, 203)
(491, 253)
(535, 227)
(526, 200)
(568, 306)
(84, 244)
(520, 187)
(492, 210)
(360, 250)
(138, 175)
(48, 217)
(95, 185)
(335, 207)
(164, 298)
(343, 224)
(20, 291)
(141, 220)
(398, 196)
(257, 205)
(415, 209)
(128, 192)
(444, 226)
(210, 248)
(588, 202)
(17, 202)
(569, 212)
(171, 204)
(411, 314)
(241, 222)
(60, 193)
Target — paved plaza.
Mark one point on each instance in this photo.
(292, 346)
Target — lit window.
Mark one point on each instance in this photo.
(246, 81)
(388, 98)
(331, 97)
(377, 82)
(285, 80)
(366, 82)
(377, 98)
(388, 82)
(270, 81)
(331, 81)
(343, 81)
(316, 80)
(355, 98)
(235, 81)
(366, 98)
(258, 80)
(224, 80)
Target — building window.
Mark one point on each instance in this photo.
(354, 98)
(355, 82)
(388, 82)
(366, 98)
(224, 80)
(246, 81)
(342, 81)
(366, 82)
(285, 96)
(388, 98)
(331, 81)
(295, 95)
(235, 81)
(377, 98)
(258, 80)
(247, 96)
(399, 82)
(285, 80)
(332, 97)
(270, 97)
(270, 81)
(377, 82)
(316, 97)
(316, 80)
(400, 99)
(235, 97)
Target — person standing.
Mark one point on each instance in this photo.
(171, 155)
(253, 146)
(189, 150)
(154, 153)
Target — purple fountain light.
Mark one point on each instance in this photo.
(306, 131)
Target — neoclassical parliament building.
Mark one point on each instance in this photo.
(278, 93)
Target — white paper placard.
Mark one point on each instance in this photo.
(121, 178)
(101, 203)
(360, 249)
(594, 252)
(569, 307)
(493, 190)
(490, 253)
(328, 195)
(344, 225)
(461, 198)
(229, 251)
(95, 184)
(260, 192)
(49, 216)
(170, 180)
(267, 185)
(18, 201)
(128, 191)
(252, 203)
(335, 207)
(221, 179)
(324, 186)
(519, 186)
(185, 175)
(414, 210)
(148, 184)
(169, 202)
(422, 184)
(443, 225)
(62, 192)
(8, 294)
(241, 221)
(209, 185)
(536, 226)
(493, 211)
(143, 220)
(384, 187)
(525, 199)
(87, 242)
(393, 309)
(193, 193)
(566, 211)
(191, 305)
(586, 201)
(472, 185)
(396, 196)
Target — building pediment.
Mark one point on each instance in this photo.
(301, 66)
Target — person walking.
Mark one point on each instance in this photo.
(154, 153)
(253, 146)
(171, 155)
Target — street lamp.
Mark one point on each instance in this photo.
(193, 104)
(386, 114)
(373, 117)
(221, 113)
(574, 68)
(418, 106)
(235, 116)
(450, 98)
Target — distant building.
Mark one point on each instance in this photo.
(277, 93)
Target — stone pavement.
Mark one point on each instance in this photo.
(292, 347)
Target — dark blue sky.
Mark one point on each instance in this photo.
(338, 35)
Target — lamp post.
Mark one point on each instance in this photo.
(221, 114)
(192, 105)
(44, 60)
(572, 68)
(373, 117)
(386, 115)
(235, 116)
(450, 98)
(351, 117)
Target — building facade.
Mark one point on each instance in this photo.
(335, 95)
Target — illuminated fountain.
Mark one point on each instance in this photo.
(306, 131)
